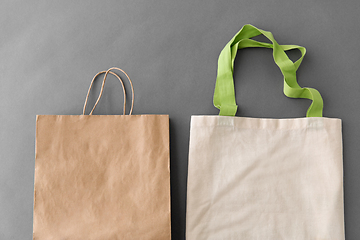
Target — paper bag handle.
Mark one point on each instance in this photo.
(102, 89)
(224, 94)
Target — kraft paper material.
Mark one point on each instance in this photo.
(102, 177)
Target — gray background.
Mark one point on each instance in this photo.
(50, 50)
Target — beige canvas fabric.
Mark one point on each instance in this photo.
(102, 177)
(265, 179)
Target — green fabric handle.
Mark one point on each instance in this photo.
(224, 94)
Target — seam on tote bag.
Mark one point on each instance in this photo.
(226, 122)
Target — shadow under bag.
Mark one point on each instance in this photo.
(264, 179)
(102, 176)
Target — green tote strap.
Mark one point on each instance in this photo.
(224, 95)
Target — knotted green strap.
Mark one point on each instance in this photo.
(224, 95)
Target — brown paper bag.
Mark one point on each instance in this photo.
(102, 176)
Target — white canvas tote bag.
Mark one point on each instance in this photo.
(264, 179)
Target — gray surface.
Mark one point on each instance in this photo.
(49, 52)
